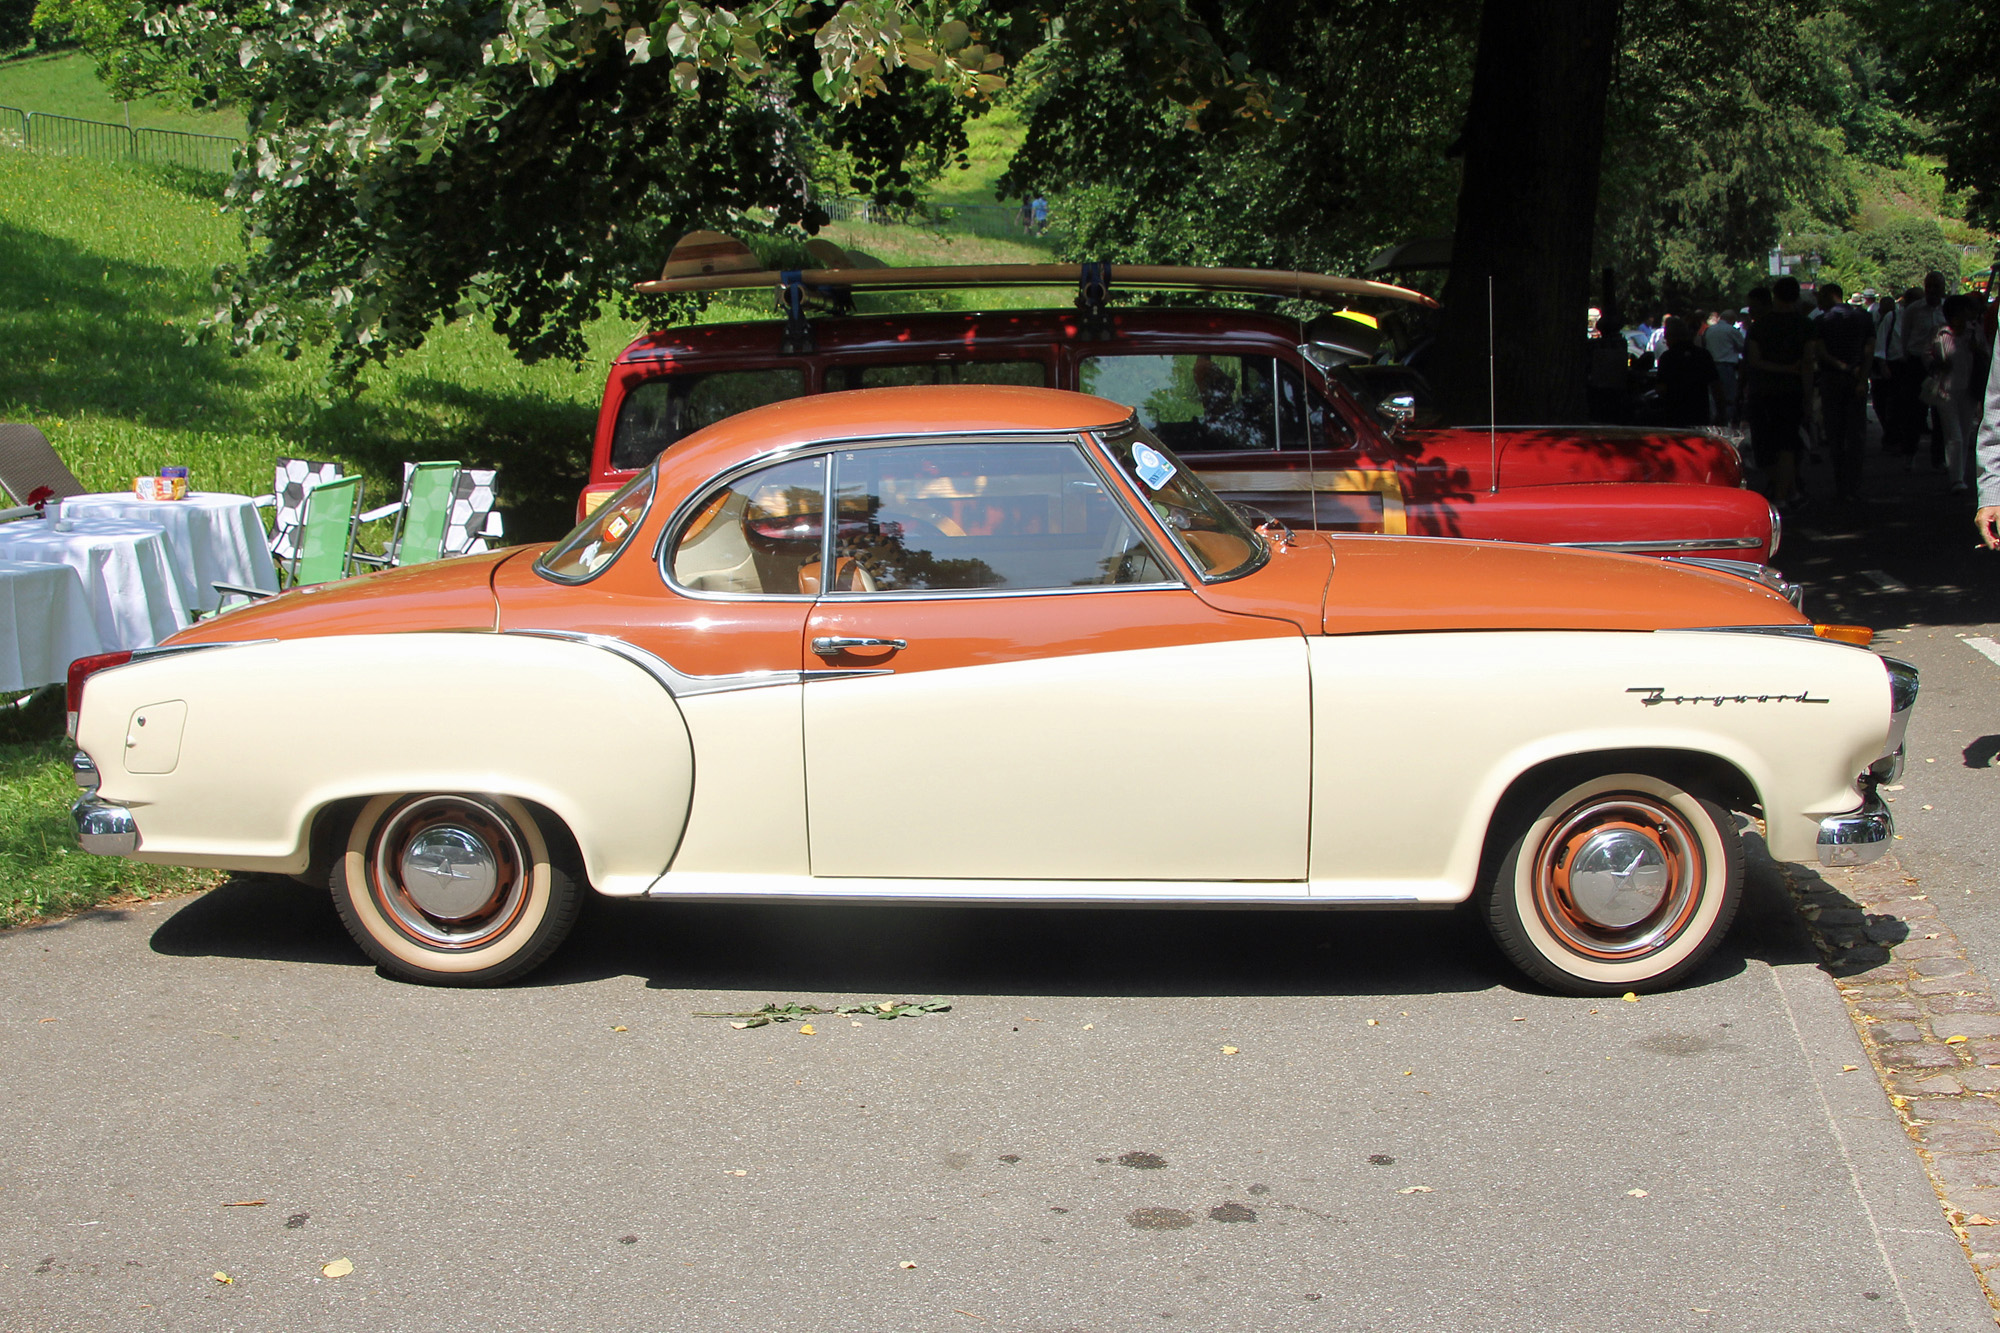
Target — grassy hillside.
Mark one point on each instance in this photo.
(65, 84)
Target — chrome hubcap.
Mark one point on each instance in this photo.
(451, 872)
(1618, 877)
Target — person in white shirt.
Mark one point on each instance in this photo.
(1986, 520)
(1724, 342)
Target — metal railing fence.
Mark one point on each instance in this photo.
(995, 221)
(74, 137)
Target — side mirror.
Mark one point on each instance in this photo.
(1399, 410)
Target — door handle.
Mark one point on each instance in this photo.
(834, 647)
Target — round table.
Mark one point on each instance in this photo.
(128, 574)
(45, 624)
(211, 536)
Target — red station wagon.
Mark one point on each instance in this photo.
(1241, 396)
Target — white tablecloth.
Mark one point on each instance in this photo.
(211, 537)
(128, 575)
(45, 624)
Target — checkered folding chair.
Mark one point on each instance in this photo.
(475, 524)
(290, 481)
(31, 471)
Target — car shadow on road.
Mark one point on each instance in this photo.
(792, 950)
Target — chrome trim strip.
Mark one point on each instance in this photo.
(679, 683)
(84, 769)
(1650, 548)
(1749, 570)
(1856, 838)
(104, 828)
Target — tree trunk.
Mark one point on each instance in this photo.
(1534, 135)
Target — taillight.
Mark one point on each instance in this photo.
(81, 670)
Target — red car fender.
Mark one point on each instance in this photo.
(1556, 455)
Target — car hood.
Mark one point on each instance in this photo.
(444, 595)
(1384, 584)
(1460, 458)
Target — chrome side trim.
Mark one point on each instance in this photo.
(104, 829)
(1750, 570)
(1903, 681)
(679, 683)
(1857, 838)
(1656, 548)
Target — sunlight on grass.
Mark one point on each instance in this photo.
(66, 84)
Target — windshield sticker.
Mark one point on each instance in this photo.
(1152, 466)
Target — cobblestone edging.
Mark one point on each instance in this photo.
(1930, 1024)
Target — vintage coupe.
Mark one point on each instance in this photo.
(1245, 398)
(996, 645)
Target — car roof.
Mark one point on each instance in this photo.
(928, 409)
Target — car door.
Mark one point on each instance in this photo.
(1049, 700)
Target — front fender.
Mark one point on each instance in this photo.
(271, 733)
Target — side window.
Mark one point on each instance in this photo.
(657, 413)
(1195, 403)
(929, 517)
(1034, 374)
(760, 535)
(1305, 419)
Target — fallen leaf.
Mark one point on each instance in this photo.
(1417, 1189)
(1954, 1040)
(1518, 1019)
(739, 1173)
(245, 1203)
(1980, 1220)
(969, 1315)
(618, 1029)
(808, 1030)
(906, 1264)
(1927, 807)
(1374, 1023)
(338, 1268)
(225, 1279)
(1408, 1072)
(854, 1023)
(885, 1007)
(1849, 1069)
(1088, 1026)
(45, 1020)
(740, 1026)
(1635, 1194)
(1229, 1050)
(1630, 997)
(1931, 936)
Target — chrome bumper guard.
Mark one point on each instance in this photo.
(1858, 838)
(102, 829)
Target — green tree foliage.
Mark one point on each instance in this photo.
(1950, 52)
(130, 63)
(1342, 147)
(415, 162)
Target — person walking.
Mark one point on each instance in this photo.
(1954, 386)
(1844, 351)
(1724, 343)
(1687, 376)
(1779, 362)
(1986, 519)
(1610, 374)
(1910, 347)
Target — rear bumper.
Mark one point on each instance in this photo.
(1857, 838)
(102, 828)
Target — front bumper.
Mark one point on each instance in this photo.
(1856, 839)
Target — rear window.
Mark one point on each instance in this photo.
(1032, 374)
(1214, 402)
(661, 412)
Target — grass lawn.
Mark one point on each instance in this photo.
(65, 83)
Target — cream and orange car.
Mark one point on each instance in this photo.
(997, 645)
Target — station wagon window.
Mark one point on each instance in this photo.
(760, 535)
(1033, 374)
(973, 515)
(660, 412)
(1214, 402)
(598, 540)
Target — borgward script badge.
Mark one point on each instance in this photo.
(1656, 694)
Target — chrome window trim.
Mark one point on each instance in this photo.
(679, 683)
(997, 594)
(540, 563)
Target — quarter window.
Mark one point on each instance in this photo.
(1030, 373)
(957, 516)
(661, 412)
(759, 536)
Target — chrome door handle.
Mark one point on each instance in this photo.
(834, 647)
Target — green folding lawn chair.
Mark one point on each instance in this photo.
(422, 516)
(325, 538)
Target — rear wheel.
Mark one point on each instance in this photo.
(453, 889)
(1621, 882)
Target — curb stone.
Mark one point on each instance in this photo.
(1931, 1026)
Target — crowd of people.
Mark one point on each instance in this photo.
(1799, 373)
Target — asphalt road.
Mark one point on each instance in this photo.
(583, 1152)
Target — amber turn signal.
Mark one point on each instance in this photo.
(1858, 635)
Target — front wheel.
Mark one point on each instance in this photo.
(1623, 882)
(453, 889)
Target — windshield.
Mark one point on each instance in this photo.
(1216, 542)
(596, 542)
